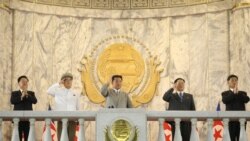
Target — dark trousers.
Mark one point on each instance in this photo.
(185, 127)
(234, 130)
(71, 130)
(23, 129)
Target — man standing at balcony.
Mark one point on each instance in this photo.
(65, 100)
(234, 100)
(180, 100)
(23, 99)
(115, 97)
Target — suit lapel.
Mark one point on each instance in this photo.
(229, 91)
(177, 97)
(19, 92)
(184, 97)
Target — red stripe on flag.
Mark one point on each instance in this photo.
(76, 134)
(52, 130)
(167, 131)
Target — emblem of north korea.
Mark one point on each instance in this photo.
(121, 130)
(125, 56)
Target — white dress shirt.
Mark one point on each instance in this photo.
(180, 92)
(65, 99)
(116, 91)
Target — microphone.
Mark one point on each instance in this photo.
(111, 106)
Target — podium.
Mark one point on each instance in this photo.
(121, 125)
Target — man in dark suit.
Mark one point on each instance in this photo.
(235, 100)
(179, 100)
(23, 100)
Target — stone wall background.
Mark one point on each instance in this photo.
(203, 48)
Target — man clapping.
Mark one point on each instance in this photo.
(23, 99)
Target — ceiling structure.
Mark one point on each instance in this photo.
(118, 4)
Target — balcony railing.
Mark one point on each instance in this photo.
(159, 116)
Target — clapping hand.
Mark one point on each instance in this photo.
(24, 94)
(236, 89)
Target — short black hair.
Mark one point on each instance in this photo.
(179, 79)
(20, 77)
(116, 76)
(232, 76)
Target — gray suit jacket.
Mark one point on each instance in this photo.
(114, 100)
(175, 102)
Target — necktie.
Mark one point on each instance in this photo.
(117, 91)
(181, 96)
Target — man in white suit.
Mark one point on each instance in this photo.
(65, 100)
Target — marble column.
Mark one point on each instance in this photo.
(6, 66)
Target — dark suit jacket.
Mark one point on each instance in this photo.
(175, 101)
(235, 102)
(25, 103)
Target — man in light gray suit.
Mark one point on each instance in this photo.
(115, 97)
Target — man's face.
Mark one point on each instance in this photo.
(232, 82)
(23, 84)
(180, 85)
(67, 82)
(117, 83)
